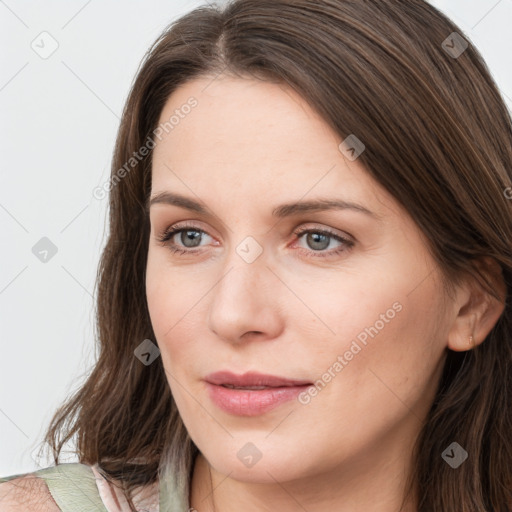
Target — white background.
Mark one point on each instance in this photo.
(58, 121)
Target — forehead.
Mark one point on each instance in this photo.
(250, 139)
(246, 118)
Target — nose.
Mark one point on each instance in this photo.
(245, 304)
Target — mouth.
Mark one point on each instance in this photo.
(252, 393)
(252, 380)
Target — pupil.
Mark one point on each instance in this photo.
(316, 243)
(190, 236)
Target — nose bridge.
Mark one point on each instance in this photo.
(241, 300)
(244, 276)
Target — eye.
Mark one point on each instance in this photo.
(318, 240)
(190, 237)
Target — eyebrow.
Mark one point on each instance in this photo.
(281, 211)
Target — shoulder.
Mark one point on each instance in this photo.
(71, 487)
(60, 488)
(27, 492)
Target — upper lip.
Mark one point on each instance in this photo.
(252, 379)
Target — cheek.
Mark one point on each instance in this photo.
(175, 301)
(391, 352)
(366, 327)
(158, 294)
(333, 312)
(366, 388)
(170, 293)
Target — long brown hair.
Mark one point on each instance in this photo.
(438, 137)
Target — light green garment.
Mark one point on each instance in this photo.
(73, 487)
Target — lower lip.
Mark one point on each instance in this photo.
(252, 402)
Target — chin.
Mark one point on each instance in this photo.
(258, 461)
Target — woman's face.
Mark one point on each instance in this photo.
(354, 306)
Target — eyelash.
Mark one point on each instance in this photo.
(169, 233)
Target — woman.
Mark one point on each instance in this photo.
(304, 300)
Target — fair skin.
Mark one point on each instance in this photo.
(248, 147)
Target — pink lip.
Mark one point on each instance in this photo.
(252, 402)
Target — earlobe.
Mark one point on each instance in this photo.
(472, 324)
(462, 335)
(479, 310)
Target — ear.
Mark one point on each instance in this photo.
(478, 310)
